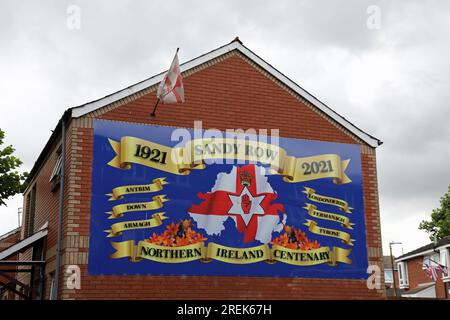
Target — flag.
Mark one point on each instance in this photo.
(245, 196)
(443, 270)
(170, 89)
(434, 273)
(431, 272)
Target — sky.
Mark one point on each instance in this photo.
(382, 64)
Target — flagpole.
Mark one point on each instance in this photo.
(153, 114)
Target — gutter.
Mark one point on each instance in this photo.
(62, 123)
(419, 254)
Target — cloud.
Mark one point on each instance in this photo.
(392, 82)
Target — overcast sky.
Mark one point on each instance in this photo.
(391, 79)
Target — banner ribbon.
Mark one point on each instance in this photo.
(238, 255)
(118, 192)
(118, 228)
(214, 251)
(313, 212)
(149, 251)
(314, 228)
(119, 210)
(313, 196)
(311, 257)
(180, 161)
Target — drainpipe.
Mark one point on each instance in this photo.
(55, 290)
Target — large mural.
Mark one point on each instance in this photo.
(173, 201)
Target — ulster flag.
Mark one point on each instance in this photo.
(245, 196)
(171, 89)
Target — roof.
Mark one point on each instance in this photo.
(235, 45)
(23, 245)
(391, 293)
(9, 234)
(387, 263)
(418, 289)
(423, 250)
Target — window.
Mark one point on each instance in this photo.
(52, 286)
(388, 277)
(445, 262)
(30, 212)
(55, 177)
(403, 275)
(430, 260)
(36, 281)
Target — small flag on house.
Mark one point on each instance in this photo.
(171, 89)
(431, 272)
(443, 270)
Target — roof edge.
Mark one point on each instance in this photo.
(23, 244)
(48, 146)
(9, 233)
(426, 249)
(236, 44)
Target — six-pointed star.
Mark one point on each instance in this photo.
(255, 206)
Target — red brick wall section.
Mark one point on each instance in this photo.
(47, 204)
(9, 241)
(228, 94)
(416, 276)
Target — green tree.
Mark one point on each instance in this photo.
(11, 181)
(439, 226)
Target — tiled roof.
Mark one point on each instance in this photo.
(444, 241)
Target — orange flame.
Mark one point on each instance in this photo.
(177, 235)
(295, 239)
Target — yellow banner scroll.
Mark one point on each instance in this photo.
(238, 255)
(139, 151)
(313, 168)
(311, 257)
(119, 210)
(150, 251)
(119, 192)
(214, 251)
(118, 228)
(181, 161)
(312, 195)
(158, 253)
(313, 212)
(314, 228)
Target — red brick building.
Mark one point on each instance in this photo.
(412, 266)
(220, 86)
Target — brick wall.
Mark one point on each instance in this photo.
(229, 93)
(7, 242)
(47, 204)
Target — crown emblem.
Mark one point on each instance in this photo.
(246, 178)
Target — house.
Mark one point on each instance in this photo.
(412, 270)
(110, 212)
(389, 275)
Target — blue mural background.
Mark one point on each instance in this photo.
(182, 192)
